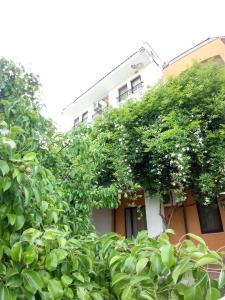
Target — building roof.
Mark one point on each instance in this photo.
(199, 45)
(153, 53)
(101, 79)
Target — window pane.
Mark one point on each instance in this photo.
(85, 117)
(135, 221)
(76, 121)
(136, 83)
(210, 219)
(128, 220)
(123, 92)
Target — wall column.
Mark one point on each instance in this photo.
(154, 220)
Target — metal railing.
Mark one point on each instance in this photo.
(132, 91)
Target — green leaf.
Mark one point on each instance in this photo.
(156, 263)
(46, 296)
(1, 251)
(55, 288)
(16, 252)
(82, 293)
(11, 219)
(5, 183)
(221, 281)
(127, 293)
(68, 292)
(30, 235)
(14, 281)
(146, 296)
(141, 264)
(61, 254)
(78, 276)
(97, 296)
(213, 294)
(8, 142)
(30, 254)
(119, 277)
(29, 156)
(66, 280)
(4, 293)
(114, 259)
(2, 269)
(51, 261)
(167, 255)
(205, 260)
(32, 281)
(129, 264)
(45, 276)
(4, 167)
(197, 238)
(180, 269)
(20, 220)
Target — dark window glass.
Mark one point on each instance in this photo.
(85, 117)
(76, 121)
(135, 223)
(136, 84)
(123, 93)
(210, 219)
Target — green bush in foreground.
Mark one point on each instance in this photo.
(49, 265)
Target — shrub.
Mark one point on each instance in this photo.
(51, 265)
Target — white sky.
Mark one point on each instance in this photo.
(72, 43)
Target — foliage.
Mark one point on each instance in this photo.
(75, 159)
(50, 265)
(40, 255)
(27, 195)
(172, 139)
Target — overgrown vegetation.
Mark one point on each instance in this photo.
(173, 139)
(47, 250)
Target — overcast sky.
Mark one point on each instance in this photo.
(72, 43)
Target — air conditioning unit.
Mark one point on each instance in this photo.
(97, 106)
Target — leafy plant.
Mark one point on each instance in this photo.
(51, 265)
(172, 139)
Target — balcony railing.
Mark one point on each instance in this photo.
(132, 91)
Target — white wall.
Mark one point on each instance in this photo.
(149, 75)
(154, 221)
(103, 220)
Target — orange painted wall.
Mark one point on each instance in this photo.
(213, 240)
(119, 213)
(212, 49)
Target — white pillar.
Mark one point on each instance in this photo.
(154, 220)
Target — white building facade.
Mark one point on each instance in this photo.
(129, 80)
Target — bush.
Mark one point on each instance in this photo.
(50, 265)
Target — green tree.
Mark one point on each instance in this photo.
(172, 139)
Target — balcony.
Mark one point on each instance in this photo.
(132, 91)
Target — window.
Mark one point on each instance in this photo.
(135, 221)
(76, 121)
(123, 92)
(136, 84)
(85, 117)
(210, 219)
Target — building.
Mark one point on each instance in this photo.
(129, 80)
(211, 48)
(207, 222)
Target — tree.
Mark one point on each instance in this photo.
(42, 255)
(172, 139)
